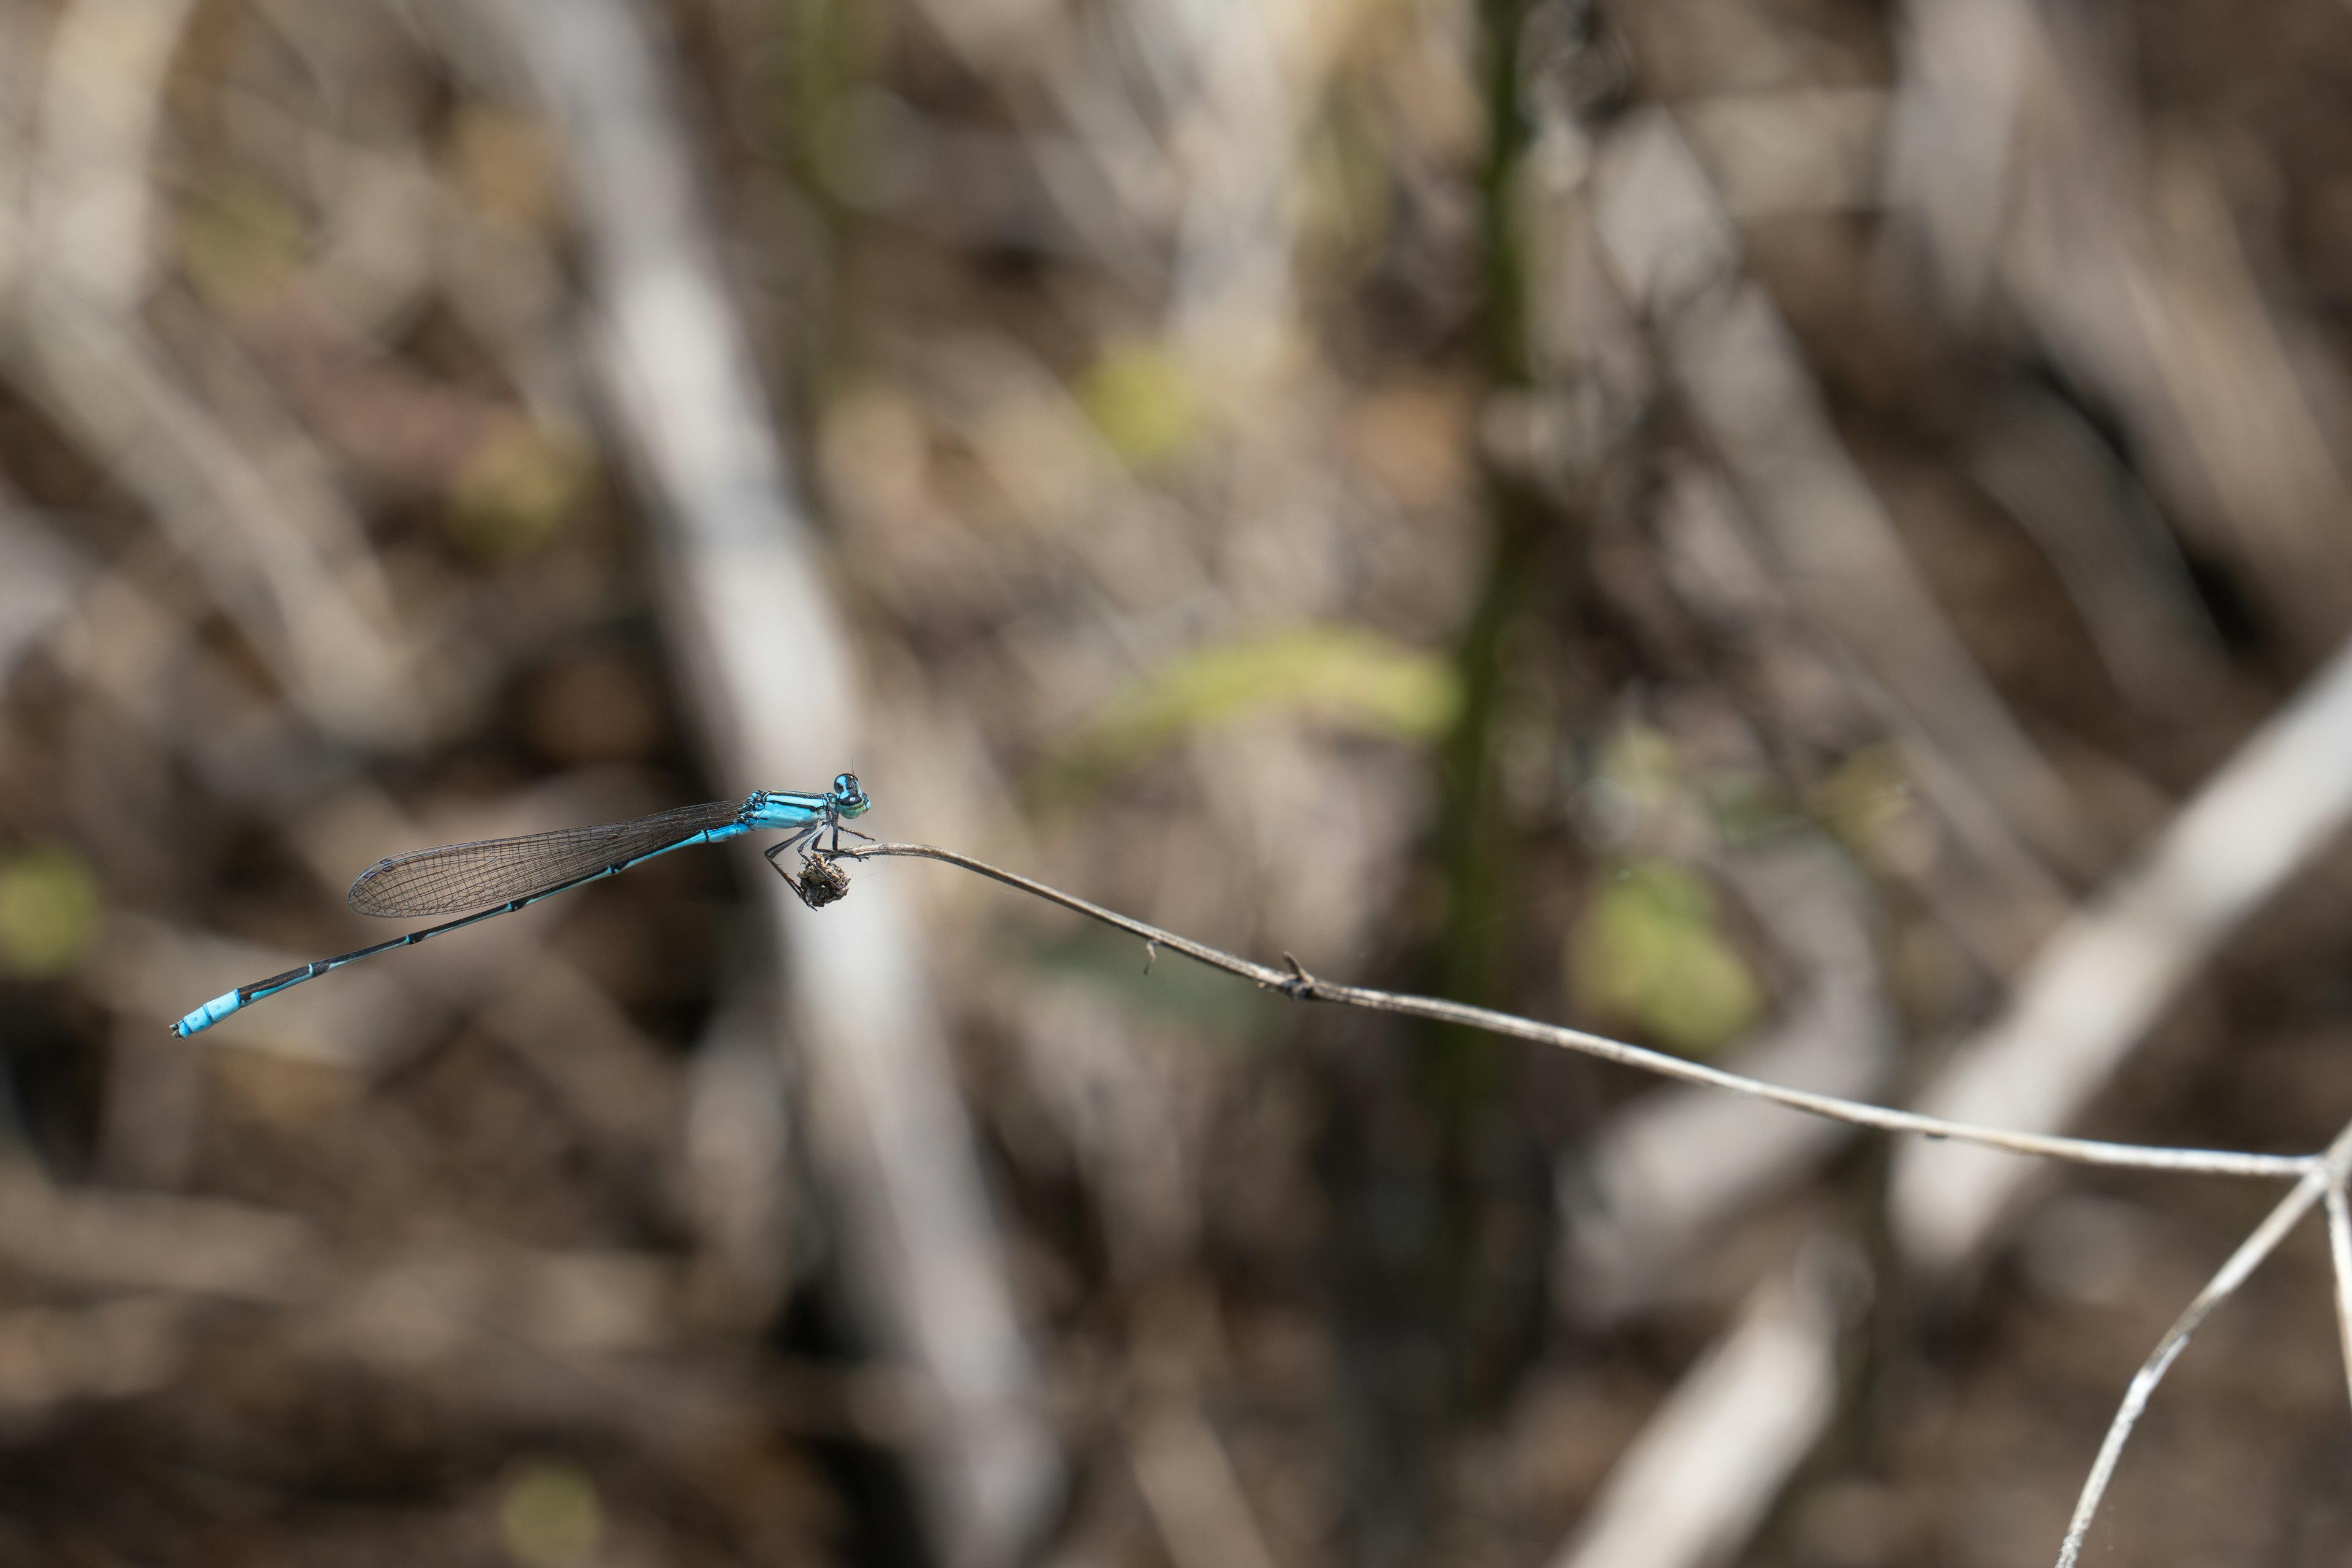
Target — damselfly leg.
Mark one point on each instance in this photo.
(819, 882)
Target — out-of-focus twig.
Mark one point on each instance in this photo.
(267, 559)
(2091, 995)
(600, 1333)
(1804, 151)
(2022, 168)
(1952, 136)
(776, 691)
(1188, 1481)
(1829, 548)
(1732, 358)
(90, 189)
(150, 1242)
(284, 557)
(1708, 1465)
(40, 578)
(737, 1140)
(2041, 460)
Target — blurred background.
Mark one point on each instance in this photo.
(1803, 533)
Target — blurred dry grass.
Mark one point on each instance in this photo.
(1724, 520)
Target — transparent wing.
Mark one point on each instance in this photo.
(456, 878)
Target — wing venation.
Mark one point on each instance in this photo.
(454, 878)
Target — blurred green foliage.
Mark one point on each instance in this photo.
(239, 240)
(1344, 675)
(1143, 401)
(1869, 789)
(1643, 764)
(1649, 949)
(48, 911)
(548, 1514)
(515, 490)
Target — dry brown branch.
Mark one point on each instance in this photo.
(2316, 1176)
(1295, 983)
(2327, 1174)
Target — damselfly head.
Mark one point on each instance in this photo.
(849, 796)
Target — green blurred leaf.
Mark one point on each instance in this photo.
(1143, 401)
(1341, 675)
(239, 240)
(548, 1514)
(48, 911)
(1747, 804)
(1648, 948)
(1869, 786)
(1869, 802)
(1346, 191)
(1643, 763)
(515, 490)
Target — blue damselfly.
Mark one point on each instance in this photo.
(499, 876)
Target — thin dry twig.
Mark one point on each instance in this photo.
(2325, 1175)
(2318, 1175)
(2340, 1248)
(1296, 984)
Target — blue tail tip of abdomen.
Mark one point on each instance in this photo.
(205, 1016)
